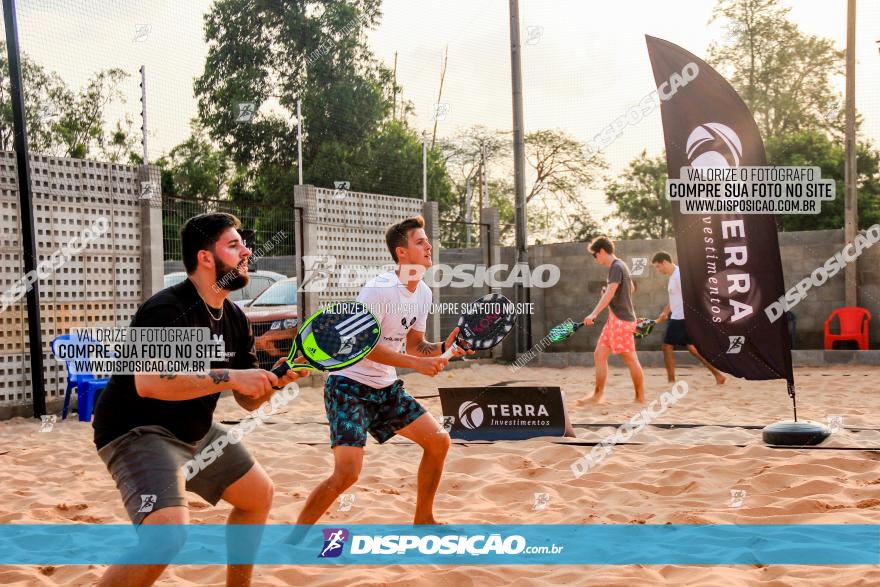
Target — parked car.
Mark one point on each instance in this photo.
(274, 319)
(260, 280)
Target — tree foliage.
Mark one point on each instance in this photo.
(64, 122)
(783, 74)
(814, 148)
(560, 170)
(640, 199)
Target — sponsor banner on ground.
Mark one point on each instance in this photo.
(503, 413)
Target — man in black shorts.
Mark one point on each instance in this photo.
(676, 333)
(150, 426)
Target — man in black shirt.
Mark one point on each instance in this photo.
(149, 427)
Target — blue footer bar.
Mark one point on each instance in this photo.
(470, 544)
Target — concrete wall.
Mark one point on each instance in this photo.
(101, 285)
(582, 280)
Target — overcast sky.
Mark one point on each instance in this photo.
(585, 64)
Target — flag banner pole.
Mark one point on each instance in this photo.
(731, 268)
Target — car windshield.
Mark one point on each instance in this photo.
(282, 293)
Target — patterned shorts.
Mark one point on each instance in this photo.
(617, 335)
(353, 409)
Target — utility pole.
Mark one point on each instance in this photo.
(437, 107)
(484, 176)
(519, 171)
(394, 89)
(424, 166)
(299, 140)
(26, 208)
(850, 204)
(144, 114)
(468, 196)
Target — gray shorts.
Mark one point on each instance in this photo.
(148, 463)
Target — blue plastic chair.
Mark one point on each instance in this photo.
(87, 385)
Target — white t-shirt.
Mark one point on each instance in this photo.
(676, 302)
(398, 310)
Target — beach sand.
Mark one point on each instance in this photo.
(679, 476)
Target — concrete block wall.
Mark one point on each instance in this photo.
(102, 285)
(582, 280)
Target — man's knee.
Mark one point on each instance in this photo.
(164, 533)
(437, 444)
(631, 359)
(344, 476)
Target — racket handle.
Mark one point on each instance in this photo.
(281, 369)
(449, 351)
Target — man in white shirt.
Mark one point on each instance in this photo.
(676, 333)
(368, 397)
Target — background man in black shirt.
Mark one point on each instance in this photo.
(150, 425)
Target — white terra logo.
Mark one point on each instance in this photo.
(470, 414)
(714, 145)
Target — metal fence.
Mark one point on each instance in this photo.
(268, 230)
(456, 234)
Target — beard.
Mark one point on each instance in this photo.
(228, 277)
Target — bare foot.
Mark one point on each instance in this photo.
(596, 398)
(640, 399)
(720, 379)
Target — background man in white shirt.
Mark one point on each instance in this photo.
(676, 333)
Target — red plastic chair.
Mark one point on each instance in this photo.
(853, 326)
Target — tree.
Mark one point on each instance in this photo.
(561, 168)
(814, 148)
(272, 53)
(196, 168)
(640, 199)
(783, 75)
(44, 92)
(80, 126)
(62, 122)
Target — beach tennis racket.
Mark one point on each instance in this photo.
(485, 323)
(644, 327)
(332, 339)
(563, 331)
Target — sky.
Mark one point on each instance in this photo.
(584, 62)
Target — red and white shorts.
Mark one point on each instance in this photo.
(617, 335)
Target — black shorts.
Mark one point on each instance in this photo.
(353, 409)
(676, 334)
(153, 468)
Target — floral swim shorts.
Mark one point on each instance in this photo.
(617, 335)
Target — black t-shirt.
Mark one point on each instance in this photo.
(121, 409)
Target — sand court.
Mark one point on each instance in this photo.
(679, 471)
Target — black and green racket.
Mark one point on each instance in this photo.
(566, 329)
(644, 327)
(332, 339)
(563, 331)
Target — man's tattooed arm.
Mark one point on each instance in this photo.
(428, 349)
(219, 376)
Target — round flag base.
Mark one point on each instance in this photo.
(791, 433)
